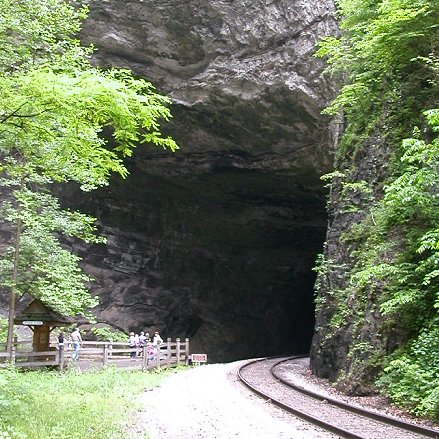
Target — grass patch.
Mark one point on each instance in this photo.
(75, 405)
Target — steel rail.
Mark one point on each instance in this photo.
(390, 420)
(305, 416)
(319, 422)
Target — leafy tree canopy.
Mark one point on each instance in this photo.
(61, 120)
(36, 32)
(55, 120)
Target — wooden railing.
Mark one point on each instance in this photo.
(94, 353)
(25, 345)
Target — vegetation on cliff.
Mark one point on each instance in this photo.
(61, 120)
(388, 301)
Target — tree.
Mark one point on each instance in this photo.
(54, 107)
(41, 31)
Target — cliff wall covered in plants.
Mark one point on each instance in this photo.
(377, 301)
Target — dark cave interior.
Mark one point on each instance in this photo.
(223, 257)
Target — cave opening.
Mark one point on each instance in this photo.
(217, 242)
(224, 257)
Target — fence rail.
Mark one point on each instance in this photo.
(100, 353)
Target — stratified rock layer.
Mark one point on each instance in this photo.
(216, 242)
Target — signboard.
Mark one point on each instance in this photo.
(32, 322)
(199, 358)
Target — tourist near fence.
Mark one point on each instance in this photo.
(97, 353)
(76, 342)
(61, 341)
(132, 344)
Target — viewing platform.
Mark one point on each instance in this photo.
(95, 354)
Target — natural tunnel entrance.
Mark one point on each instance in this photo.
(224, 257)
(218, 241)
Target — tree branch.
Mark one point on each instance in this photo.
(14, 113)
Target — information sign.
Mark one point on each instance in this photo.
(32, 322)
(199, 358)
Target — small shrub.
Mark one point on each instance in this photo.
(411, 379)
(106, 334)
(3, 331)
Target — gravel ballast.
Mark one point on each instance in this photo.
(209, 402)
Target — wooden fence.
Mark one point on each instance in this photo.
(95, 353)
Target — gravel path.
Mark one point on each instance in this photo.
(208, 402)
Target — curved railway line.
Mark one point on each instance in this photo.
(342, 419)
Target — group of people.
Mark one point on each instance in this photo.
(76, 342)
(138, 342)
(135, 341)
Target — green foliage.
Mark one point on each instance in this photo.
(383, 54)
(35, 32)
(106, 334)
(322, 268)
(353, 194)
(61, 120)
(45, 269)
(397, 258)
(95, 405)
(3, 330)
(51, 123)
(411, 377)
(387, 60)
(409, 213)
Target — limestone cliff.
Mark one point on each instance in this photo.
(217, 241)
(348, 331)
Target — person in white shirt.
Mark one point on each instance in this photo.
(132, 344)
(157, 339)
(156, 342)
(77, 343)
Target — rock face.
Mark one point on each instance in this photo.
(216, 242)
(335, 339)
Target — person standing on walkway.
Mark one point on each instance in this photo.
(157, 340)
(147, 338)
(61, 340)
(132, 344)
(142, 339)
(77, 343)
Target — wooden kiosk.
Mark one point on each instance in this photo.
(41, 319)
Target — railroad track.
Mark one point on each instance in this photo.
(344, 420)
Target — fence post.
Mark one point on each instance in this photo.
(186, 352)
(105, 355)
(61, 358)
(144, 358)
(177, 350)
(168, 351)
(158, 354)
(13, 355)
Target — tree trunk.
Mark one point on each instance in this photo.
(13, 294)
